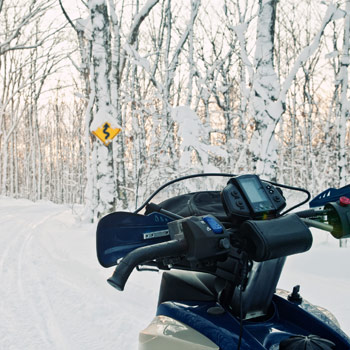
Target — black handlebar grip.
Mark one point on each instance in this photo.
(307, 213)
(141, 255)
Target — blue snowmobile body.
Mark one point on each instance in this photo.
(287, 320)
(227, 250)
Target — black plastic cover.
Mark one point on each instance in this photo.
(269, 239)
(196, 204)
(202, 241)
(257, 296)
(199, 286)
(310, 342)
(187, 285)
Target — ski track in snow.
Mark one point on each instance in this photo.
(54, 295)
(24, 307)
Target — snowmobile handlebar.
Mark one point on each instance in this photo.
(256, 226)
(198, 242)
(142, 255)
(264, 240)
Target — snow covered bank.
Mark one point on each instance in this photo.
(54, 295)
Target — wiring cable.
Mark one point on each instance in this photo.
(224, 175)
(244, 273)
(293, 188)
(177, 180)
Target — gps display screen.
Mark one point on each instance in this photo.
(255, 194)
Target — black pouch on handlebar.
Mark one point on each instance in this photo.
(269, 239)
(196, 204)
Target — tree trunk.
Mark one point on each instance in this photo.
(344, 107)
(103, 113)
(266, 90)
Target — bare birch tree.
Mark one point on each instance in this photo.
(103, 112)
(27, 60)
(343, 116)
(268, 96)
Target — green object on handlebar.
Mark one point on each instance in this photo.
(339, 218)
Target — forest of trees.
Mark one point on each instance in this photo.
(195, 86)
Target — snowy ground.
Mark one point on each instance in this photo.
(54, 295)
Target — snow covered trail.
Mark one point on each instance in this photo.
(53, 293)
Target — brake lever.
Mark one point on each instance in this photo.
(142, 269)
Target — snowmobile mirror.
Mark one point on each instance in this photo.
(339, 217)
(121, 232)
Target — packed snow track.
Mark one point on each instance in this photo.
(53, 293)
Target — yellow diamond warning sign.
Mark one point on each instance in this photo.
(105, 133)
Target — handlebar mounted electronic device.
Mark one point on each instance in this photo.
(247, 196)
